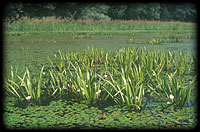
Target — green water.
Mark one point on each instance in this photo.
(32, 52)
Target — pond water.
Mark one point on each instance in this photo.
(73, 115)
(58, 114)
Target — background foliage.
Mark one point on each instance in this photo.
(107, 11)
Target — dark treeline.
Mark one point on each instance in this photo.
(107, 11)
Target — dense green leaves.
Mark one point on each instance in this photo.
(68, 115)
(105, 11)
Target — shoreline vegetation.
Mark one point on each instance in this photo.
(53, 24)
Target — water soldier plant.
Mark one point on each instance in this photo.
(25, 88)
(154, 41)
(128, 77)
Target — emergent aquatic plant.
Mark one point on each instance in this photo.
(26, 88)
(126, 77)
(154, 41)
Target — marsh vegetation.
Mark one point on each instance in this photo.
(99, 74)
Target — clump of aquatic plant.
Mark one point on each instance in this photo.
(172, 90)
(86, 84)
(130, 41)
(126, 77)
(110, 36)
(82, 37)
(174, 39)
(154, 41)
(25, 88)
(128, 88)
(52, 41)
(77, 80)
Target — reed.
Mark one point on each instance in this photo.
(53, 24)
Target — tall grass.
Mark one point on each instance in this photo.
(53, 24)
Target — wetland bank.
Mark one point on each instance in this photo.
(100, 75)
